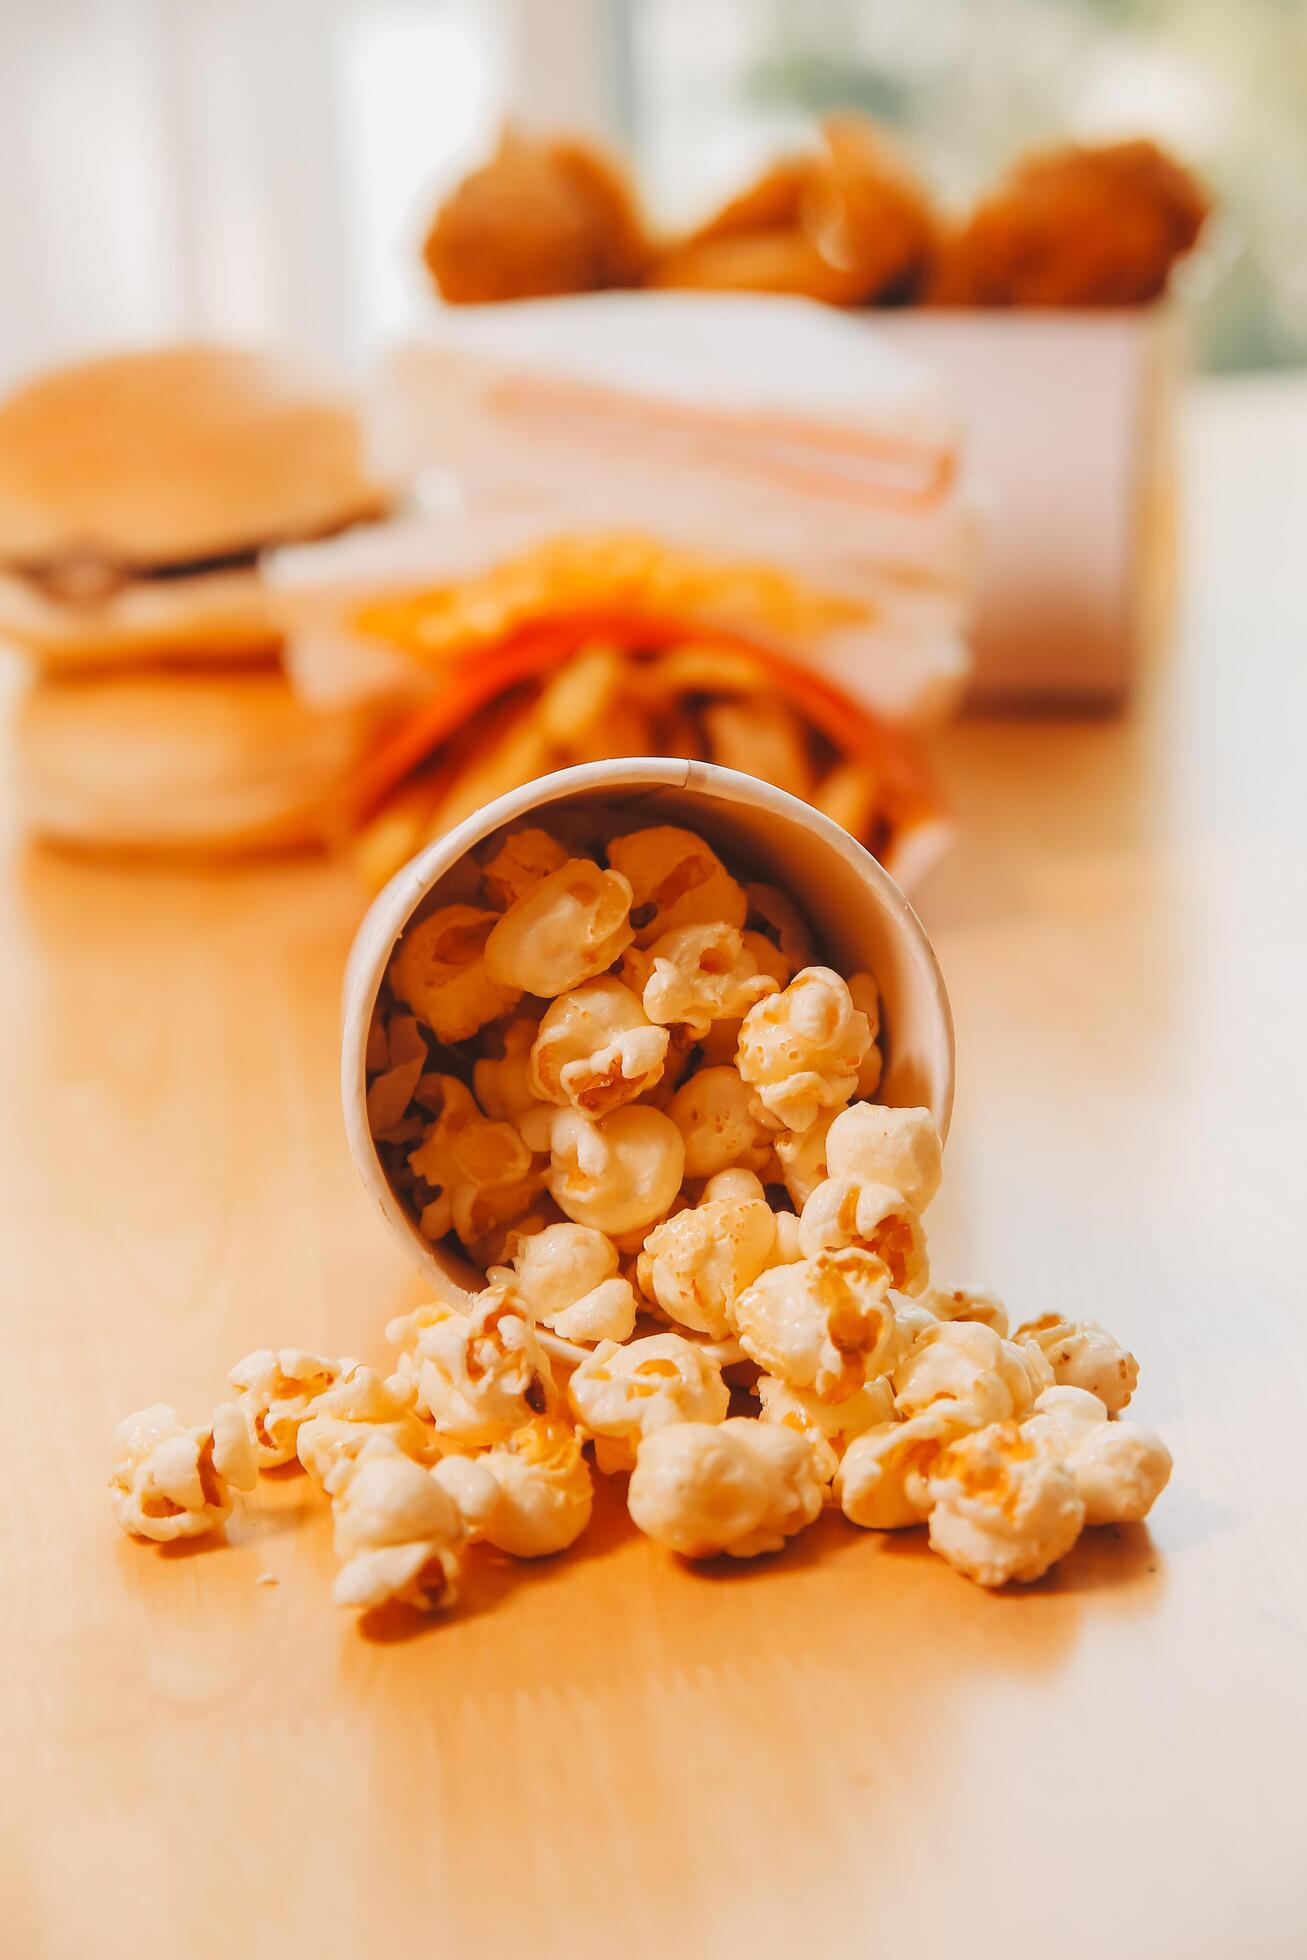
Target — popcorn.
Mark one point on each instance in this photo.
(774, 914)
(1000, 1507)
(829, 1426)
(480, 1375)
(865, 995)
(898, 1147)
(618, 1174)
(357, 1409)
(277, 1390)
(697, 975)
(697, 1264)
(520, 862)
(479, 1172)
(621, 1394)
(169, 1481)
(1119, 1468)
(768, 958)
(966, 1363)
(739, 1487)
(568, 1277)
(1082, 1354)
(563, 930)
(440, 971)
(882, 1482)
(676, 880)
(801, 1049)
(823, 1324)
(596, 1049)
(965, 1303)
(397, 1531)
(844, 1211)
(504, 1087)
(802, 1157)
(545, 1493)
(713, 1113)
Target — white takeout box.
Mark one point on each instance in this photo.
(861, 919)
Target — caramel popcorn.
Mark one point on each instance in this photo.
(169, 1481)
(277, 1391)
(825, 1324)
(620, 1394)
(1082, 1354)
(613, 1075)
(561, 931)
(801, 1049)
(440, 971)
(739, 1487)
(596, 1049)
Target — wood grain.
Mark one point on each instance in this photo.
(847, 1750)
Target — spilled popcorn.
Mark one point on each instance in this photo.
(613, 1077)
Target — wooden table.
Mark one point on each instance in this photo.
(844, 1751)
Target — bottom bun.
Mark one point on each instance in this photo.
(182, 622)
(191, 764)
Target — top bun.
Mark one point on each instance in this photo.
(154, 459)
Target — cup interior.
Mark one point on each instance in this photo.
(860, 918)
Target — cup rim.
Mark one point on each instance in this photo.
(390, 911)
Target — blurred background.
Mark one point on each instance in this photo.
(264, 169)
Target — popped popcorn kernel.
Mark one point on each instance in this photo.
(504, 1089)
(483, 1374)
(865, 995)
(739, 1487)
(802, 1158)
(676, 880)
(830, 1427)
(478, 1172)
(882, 1483)
(965, 1303)
(170, 1480)
(563, 930)
(774, 914)
(800, 1050)
(1120, 1469)
(277, 1389)
(898, 1147)
(621, 1394)
(1000, 1507)
(440, 971)
(545, 1491)
(966, 1363)
(845, 1211)
(358, 1408)
(397, 1532)
(697, 1264)
(696, 975)
(823, 1324)
(596, 1049)
(568, 1276)
(618, 1173)
(1082, 1354)
(519, 863)
(713, 1112)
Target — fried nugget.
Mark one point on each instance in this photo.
(1076, 226)
(542, 217)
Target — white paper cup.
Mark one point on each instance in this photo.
(861, 919)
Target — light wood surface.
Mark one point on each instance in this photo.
(847, 1750)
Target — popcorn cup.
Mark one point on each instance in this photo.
(860, 918)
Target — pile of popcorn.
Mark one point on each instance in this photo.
(609, 1073)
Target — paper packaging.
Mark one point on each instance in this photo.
(1068, 426)
(861, 918)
